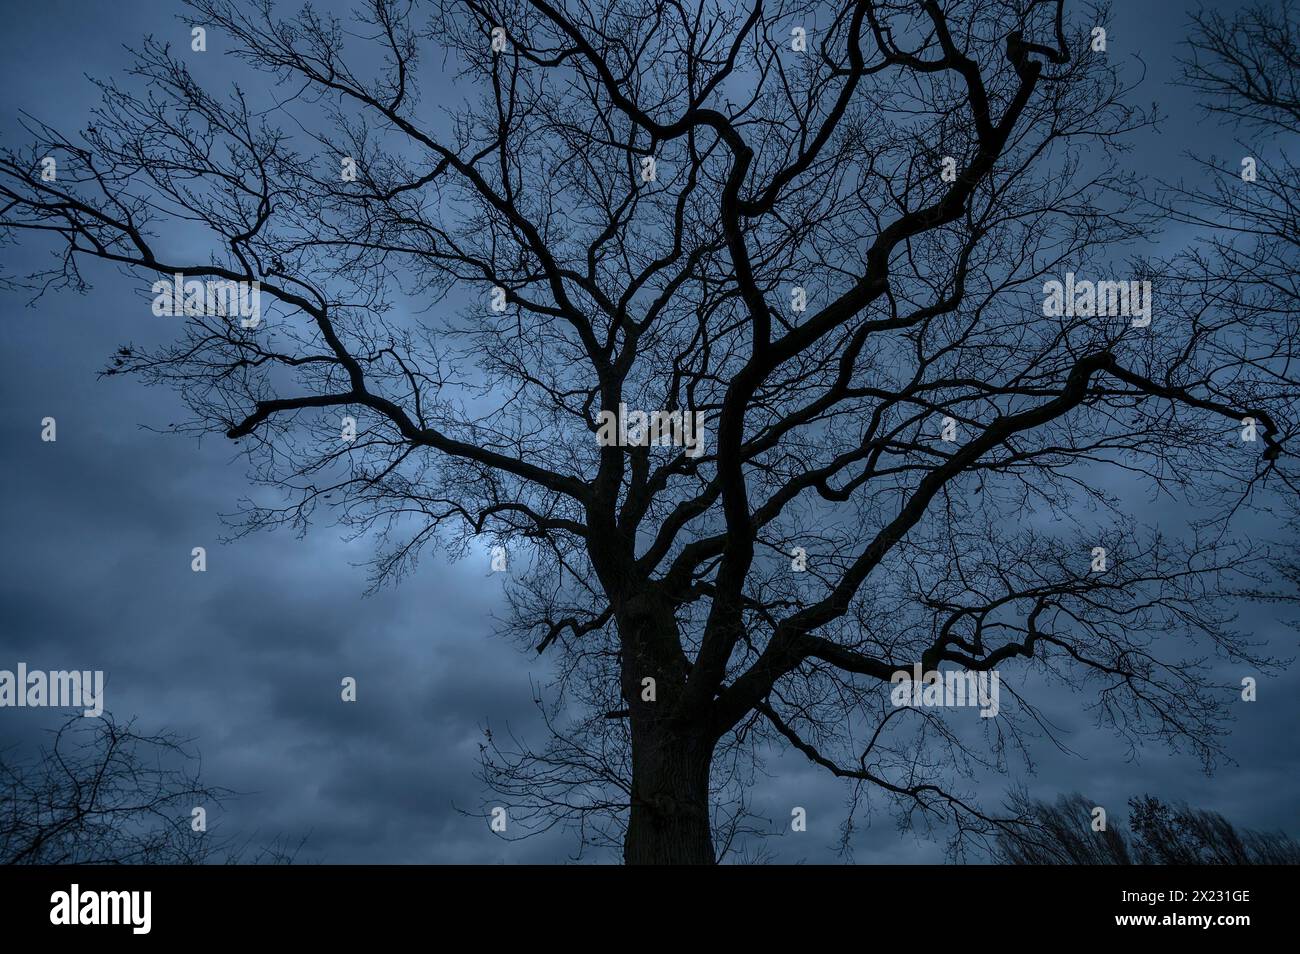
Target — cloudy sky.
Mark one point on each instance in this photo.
(246, 658)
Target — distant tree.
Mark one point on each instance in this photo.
(1158, 833)
(103, 793)
(1060, 834)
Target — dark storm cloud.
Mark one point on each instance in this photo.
(247, 658)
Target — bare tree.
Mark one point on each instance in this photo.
(1061, 833)
(102, 793)
(1241, 279)
(820, 231)
(1158, 833)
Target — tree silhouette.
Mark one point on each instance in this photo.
(1159, 834)
(821, 230)
(104, 793)
(1246, 68)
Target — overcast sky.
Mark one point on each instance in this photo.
(247, 657)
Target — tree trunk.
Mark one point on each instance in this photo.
(672, 750)
(669, 821)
